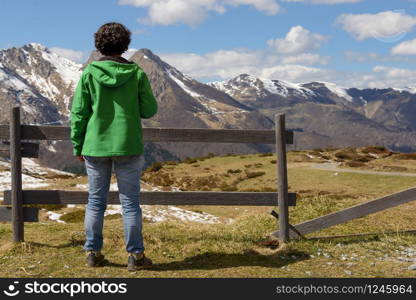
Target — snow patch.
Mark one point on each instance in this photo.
(411, 90)
(28, 182)
(262, 86)
(46, 87)
(337, 90)
(183, 86)
(81, 186)
(31, 166)
(10, 81)
(55, 216)
(211, 105)
(69, 71)
(160, 214)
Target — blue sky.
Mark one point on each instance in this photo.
(351, 42)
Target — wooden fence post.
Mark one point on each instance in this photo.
(16, 174)
(282, 185)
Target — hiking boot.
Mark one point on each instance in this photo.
(94, 258)
(138, 261)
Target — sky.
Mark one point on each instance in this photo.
(354, 43)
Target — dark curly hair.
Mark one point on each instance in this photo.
(112, 39)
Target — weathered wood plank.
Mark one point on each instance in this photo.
(41, 132)
(27, 149)
(282, 185)
(30, 214)
(354, 212)
(157, 134)
(157, 198)
(4, 132)
(212, 135)
(16, 174)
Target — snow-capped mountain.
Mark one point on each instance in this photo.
(381, 105)
(262, 93)
(43, 83)
(187, 103)
(322, 113)
(247, 86)
(198, 104)
(328, 114)
(40, 80)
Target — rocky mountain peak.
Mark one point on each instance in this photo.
(40, 80)
(35, 47)
(148, 54)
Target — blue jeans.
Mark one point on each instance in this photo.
(128, 170)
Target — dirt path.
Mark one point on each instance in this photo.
(335, 168)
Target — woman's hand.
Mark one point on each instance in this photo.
(80, 158)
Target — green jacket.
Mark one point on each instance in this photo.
(109, 102)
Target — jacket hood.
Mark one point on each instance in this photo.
(112, 74)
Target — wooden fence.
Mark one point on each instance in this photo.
(18, 198)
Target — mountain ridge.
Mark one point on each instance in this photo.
(323, 113)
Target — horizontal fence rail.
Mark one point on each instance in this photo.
(266, 136)
(156, 198)
(30, 214)
(28, 149)
(17, 142)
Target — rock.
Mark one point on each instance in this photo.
(405, 259)
(348, 272)
(412, 267)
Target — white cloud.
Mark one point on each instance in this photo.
(394, 73)
(378, 77)
(306, 59)
(377, 57)
(382, 77)
(226, 64)
(405, 48)
(325, 1)
(385, 26)
(229, 63)
(298, 40)
(222, 63)
(296, 73)
(193, 12)
(74, 55)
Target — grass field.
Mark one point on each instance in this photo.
(241, 248)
